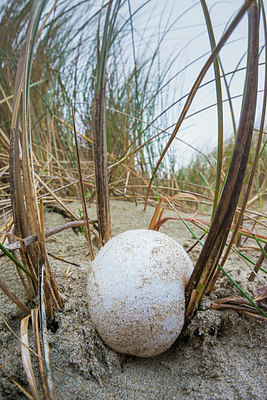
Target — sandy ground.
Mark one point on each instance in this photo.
(220, 355)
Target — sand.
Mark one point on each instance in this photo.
(220, 355)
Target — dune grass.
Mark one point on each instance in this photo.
(79, 120)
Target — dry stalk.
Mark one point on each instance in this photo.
(100, 165)
(258, 265)
(81, 187)
(50, 232)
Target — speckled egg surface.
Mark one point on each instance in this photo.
(136, 292)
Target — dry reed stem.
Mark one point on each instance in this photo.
(82, 194)
(241, 304)
(50, 281)
(100, 165)
(258, 265)
(50, 232)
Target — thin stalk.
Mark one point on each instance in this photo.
(219, 107)
(258, 265)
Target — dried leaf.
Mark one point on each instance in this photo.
(26, 356)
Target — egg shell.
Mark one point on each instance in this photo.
(136, 292)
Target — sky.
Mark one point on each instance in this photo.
(177, 29)
(186, 41)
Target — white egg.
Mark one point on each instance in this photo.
(136, 292)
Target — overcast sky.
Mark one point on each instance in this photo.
(182, 53)
(187, 37)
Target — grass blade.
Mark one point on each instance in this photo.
(14, 260)
(220, 227)
(253, 170)
(219, 108)
(26, 356)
